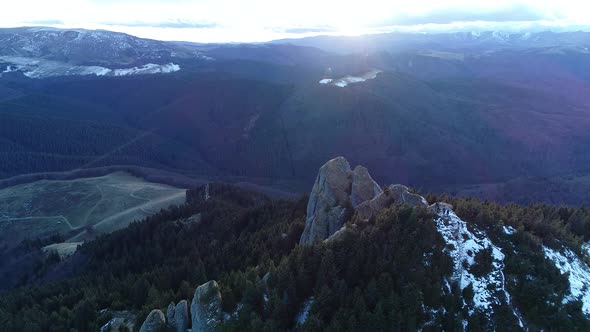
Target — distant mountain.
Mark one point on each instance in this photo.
(474, 41)
(45, 52)
(460, 110)
(89, 47)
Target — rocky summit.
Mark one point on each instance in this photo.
(340, 192)
(336, 192)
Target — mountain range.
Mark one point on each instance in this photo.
(448, 112)
(437, 117)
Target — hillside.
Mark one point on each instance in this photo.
(446, 112)
(400, 261)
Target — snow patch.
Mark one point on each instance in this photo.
(41, 68)
(149, 68)
(509, 230)
(350, 79)
(463, 245)
(578, 274)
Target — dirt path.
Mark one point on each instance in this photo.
(141, 208)
(46, 217)
(91, 210)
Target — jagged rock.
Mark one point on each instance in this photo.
(170, 314)
(339, 192)
(154, 322)
(181, 316)
(364, 188)
(394, 194)
(335, 193)
(206, 307)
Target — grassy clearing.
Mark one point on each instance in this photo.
(100, 204)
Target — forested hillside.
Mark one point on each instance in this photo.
(389, 274)
(446, 116)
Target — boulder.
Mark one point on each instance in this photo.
(155, 321)
(206, 307)
(181, 316)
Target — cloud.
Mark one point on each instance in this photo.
(304, 30)
(174, 24)
(44, 22)
(510, 13)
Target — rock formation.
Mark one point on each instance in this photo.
(206, 307)
(338, 193)
(364, 187)
(394, 194)
(335, 193)
(154, 322)
(170, 315)
(181, 316)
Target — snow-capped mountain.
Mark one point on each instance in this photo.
(45, 52)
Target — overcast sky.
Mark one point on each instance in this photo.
(262, 20)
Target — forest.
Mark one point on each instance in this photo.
(375, 279)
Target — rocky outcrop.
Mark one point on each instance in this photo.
(335, 193)
(441, 208)
(339, 192)
(170, 315)
(181, 316)
(393, 195)
(206, 307)
(155, 321)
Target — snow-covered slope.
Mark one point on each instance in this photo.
(86, 47)
(45, 52)
(463, 244)
(40, 68)
(578, 274)
(351, 79)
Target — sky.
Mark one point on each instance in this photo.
(263, 20)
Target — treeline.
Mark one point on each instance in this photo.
(375, 279)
